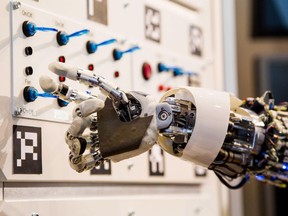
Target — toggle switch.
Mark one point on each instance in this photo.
(189, 73)
(29, 29)
(92, 47)
(30, 94)
(118, 54)
(63, 38)
(62, 103)
(162, 67)
(177, 71)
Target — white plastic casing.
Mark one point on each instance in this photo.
(212, 118)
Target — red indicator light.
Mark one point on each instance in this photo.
(146, 71)
(160, 88)
(62, 78)
(62, 59)
(91, 67)
(168, 88)
(116, 74)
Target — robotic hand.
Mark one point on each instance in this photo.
(121, 124)
(233, 138)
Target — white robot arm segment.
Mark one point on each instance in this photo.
(232, 138)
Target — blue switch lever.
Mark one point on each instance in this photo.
(92, 46)
(63, 38)
(189, 73)
(29, 29)
(31, 94)
(177, 71)
(118, 54)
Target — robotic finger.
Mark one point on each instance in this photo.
(84, 117)
(80, 142)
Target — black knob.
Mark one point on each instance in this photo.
(29, 71)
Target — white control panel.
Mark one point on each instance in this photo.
(160, 45)
(159, 59)
(33, 52)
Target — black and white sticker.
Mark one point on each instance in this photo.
(156, 161)
(97, 11)
(27, 150)
(103, 169)
(196, 41)
(152, 24)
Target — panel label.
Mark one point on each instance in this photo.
(27, 150)
(152, 24)
(27, 13)
(196, 41)
(156, 161)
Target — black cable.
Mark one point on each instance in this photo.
(241, 183)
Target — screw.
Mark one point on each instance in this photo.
(197, 211)
(18, 111)
(16, 5)
(131, 213)
(130, 165)
(126, 4)
(34, 214)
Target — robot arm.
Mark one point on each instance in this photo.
(214, 129)
(231, 137)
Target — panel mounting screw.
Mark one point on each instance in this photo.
(131, 213)
(16, 5)
(18, 111)
(130, 165)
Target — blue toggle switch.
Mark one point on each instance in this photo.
(62, 103)
(63, 38)
(29, 29)
(189, 73)
(31, 94)
(161, 67)
(177, 71)
(118, 54)
(92, 46)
